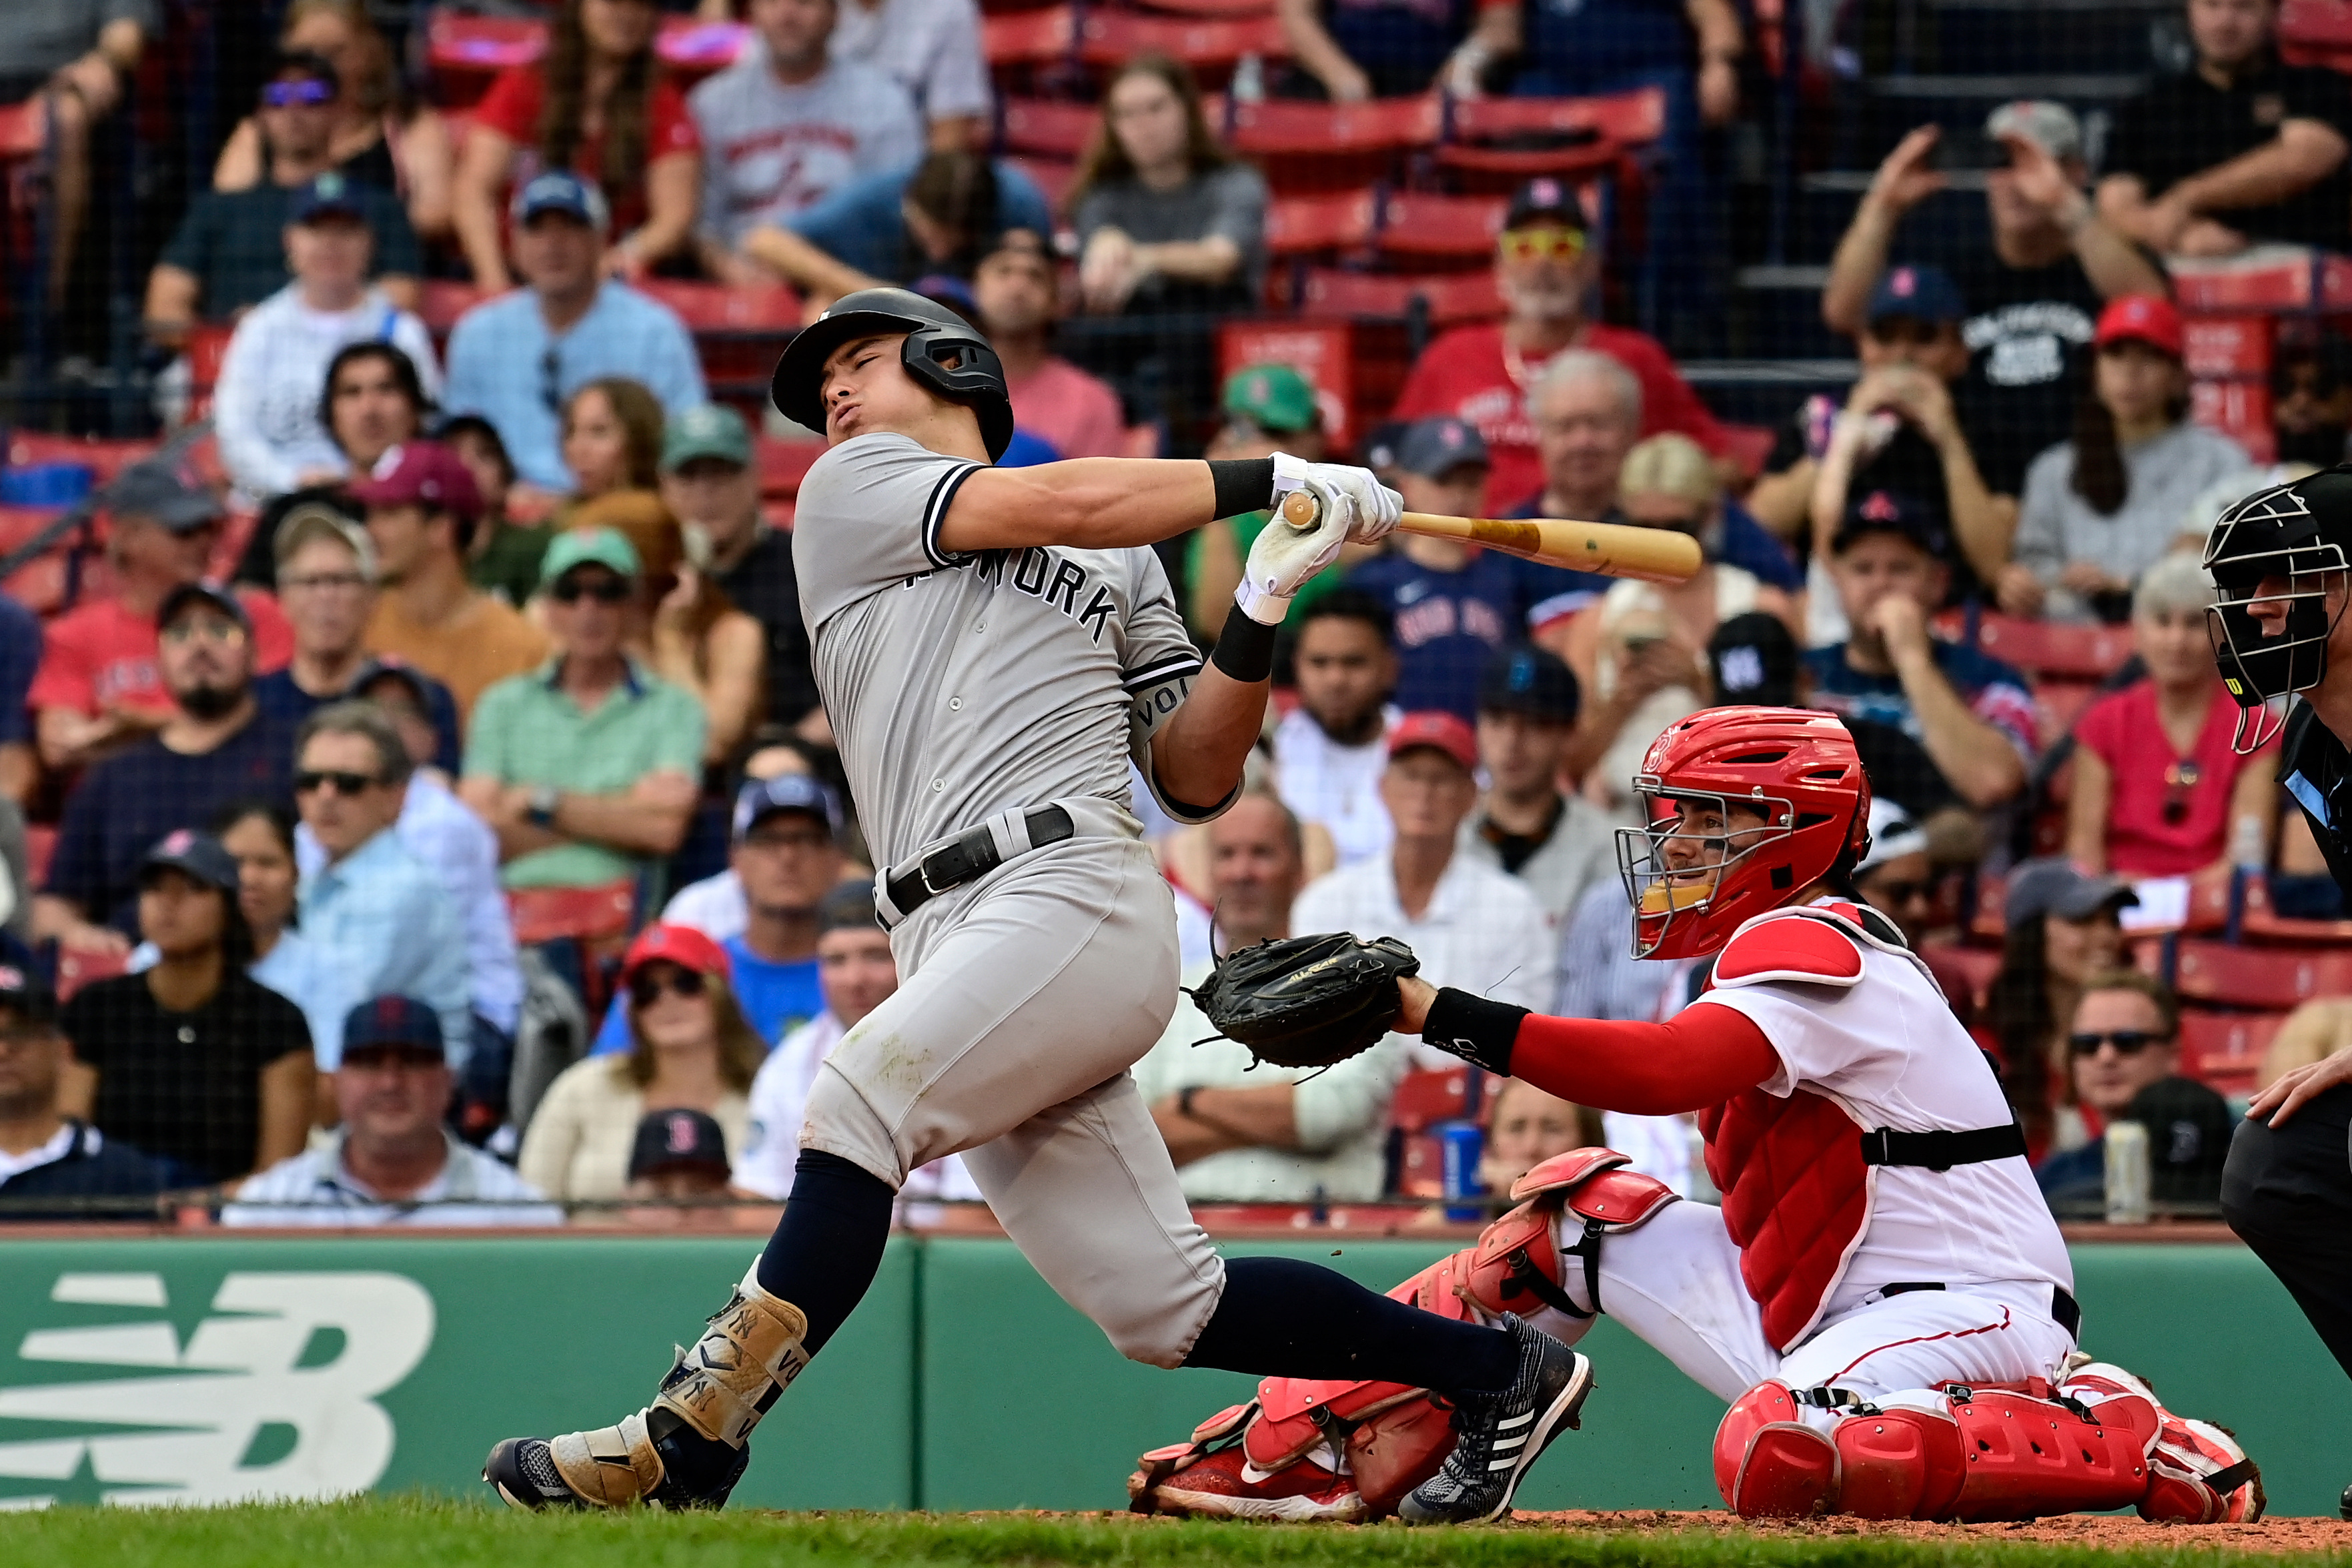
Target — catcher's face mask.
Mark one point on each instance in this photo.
(2272, 617)
(1691, 861)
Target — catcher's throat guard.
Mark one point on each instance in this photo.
(2269, 550)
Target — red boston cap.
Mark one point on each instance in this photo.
(1442, 731)
(2144, 318)
(421, 473)
(681, 945)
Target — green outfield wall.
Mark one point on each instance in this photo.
(215, 1368)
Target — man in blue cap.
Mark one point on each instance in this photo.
(517, 359)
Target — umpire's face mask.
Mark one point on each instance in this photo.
(2280, 589)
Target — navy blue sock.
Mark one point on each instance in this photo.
(827, 1247)
(1283, 1317)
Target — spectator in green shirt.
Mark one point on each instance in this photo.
(1267, 409)
(503, 561)
(586, 767)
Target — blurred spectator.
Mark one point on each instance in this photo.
(193, 1061)
(2053, 263)
(20, 661)
(1016, 288)
(932, 49)
(1330, 750)
(710, 482)
(75, 56)
(1897, 878)
(1668, 481)
(382, 137)
(1556, 843)
(391, 1160)
(503, 558)
(1587, 411)
(1471, 926)
(215, 747)
(326, 575)
(898, 226)
(612, 435)
(421, 517)
(1546, 267)
(374, 401)
(1528, 1126)
(1972, 713)
(1167, 219)
(600, 109)
(44, 1154)
(1356, 49)
(1240, 1136)
(715, 905)
(585, 767)
(2158, 789)
(857, 974)
(1596, 973)
(681, 625)
(2123, 1051)
(1898, 428)
(2061, 930)
(516, 361)
(689, 1048)
(2099, 509)
(678, 1160)
(1267, 409)
(2238, 150)
(786, 125)
(229, 251)
(99, 684)
(259, 835)
(375, 919)
(2311, 400)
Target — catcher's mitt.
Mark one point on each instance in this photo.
(1306, 1001)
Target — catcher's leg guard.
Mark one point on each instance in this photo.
(717, 1391)
(2197, 1473)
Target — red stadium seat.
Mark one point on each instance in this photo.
(1749, 445)
(1052, 177)
(1029, 38)
(104, 459)
(1487, 136)
(2224, 1051)
(1047, 127)
(24, 129)
(1296, 226)
(465, 52)
(443, 302)
(1111, 39)
(714, 307)
(75, 971)
(580, 914)
(1426, 1098)
(1330, 146)
(783, 464)
(2059, 704)
(2053, 649)
(1229, 8)
(1323, 353)
(2315, 33)
(2243, 976)
(1451, 298)
(1417, 224)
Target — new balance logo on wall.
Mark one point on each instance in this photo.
(271, 1396)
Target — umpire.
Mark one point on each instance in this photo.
(2281, 561)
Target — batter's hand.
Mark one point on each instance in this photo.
(1284, 555)
(1377, 507)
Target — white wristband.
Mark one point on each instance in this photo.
(1265, 609)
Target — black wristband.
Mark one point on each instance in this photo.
(1243, 485)
(1480, 1032)
(1244, 648)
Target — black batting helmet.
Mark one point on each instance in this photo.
(942, 350)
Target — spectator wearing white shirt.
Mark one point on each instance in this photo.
(269, 407)
(1239, 1134)
(857, 974)
(1556, 843)
(1328, 751)
(391, 1161)
(786, 125)
(931, 49)
(1474, 928)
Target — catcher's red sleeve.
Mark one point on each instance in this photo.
(1704, 1056)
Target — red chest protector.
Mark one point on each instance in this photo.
(1796, 1187)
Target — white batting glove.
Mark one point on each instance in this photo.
(1286, 555)
(1377, 507)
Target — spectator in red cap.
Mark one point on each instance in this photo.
(1546, 267)
(2101, 508)
(1475, 924)
(691, 1049)
(421, 516)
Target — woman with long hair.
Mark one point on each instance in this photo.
(689, 1048)
(2063, 928)
(612, 432)
(600, 105)
(2104, 507)
(382, 137)
(1167, 219)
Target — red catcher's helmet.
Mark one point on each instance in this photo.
(1798, 765)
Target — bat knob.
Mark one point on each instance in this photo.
(1300, 510)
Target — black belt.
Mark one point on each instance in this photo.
(1934, 1151)
(968, 856)
(2064, 1310)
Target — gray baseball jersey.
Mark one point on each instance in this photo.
(960, 686)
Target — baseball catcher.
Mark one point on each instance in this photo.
(1883, 1300)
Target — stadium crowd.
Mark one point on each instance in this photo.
(421, 811)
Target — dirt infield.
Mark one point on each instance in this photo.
(2070, 1529)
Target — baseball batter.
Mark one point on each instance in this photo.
(993, 647)
(1883, 1298)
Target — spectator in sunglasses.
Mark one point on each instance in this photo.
(2063, 929)
(1546, 266)
(2123, 1053)
(587, 768)
(689, 1049)
(2157, 789)
(375, 920)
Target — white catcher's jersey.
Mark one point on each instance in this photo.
(962, 686)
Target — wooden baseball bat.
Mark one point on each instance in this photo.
(1611, 549)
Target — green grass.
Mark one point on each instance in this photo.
(420, 1532)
